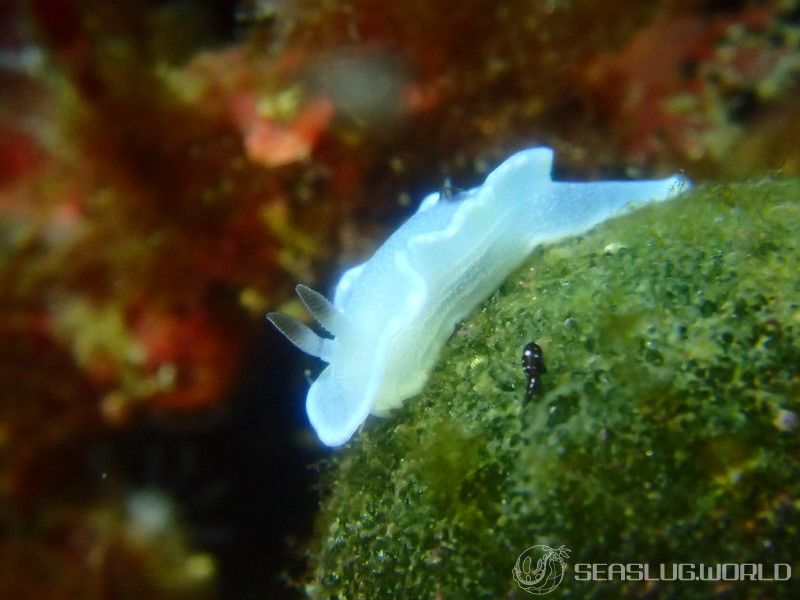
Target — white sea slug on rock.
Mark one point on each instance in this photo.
(392, 314)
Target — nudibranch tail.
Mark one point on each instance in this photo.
(299, 334)
(326, 314)
(592, 203)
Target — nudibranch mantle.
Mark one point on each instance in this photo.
(392, 314)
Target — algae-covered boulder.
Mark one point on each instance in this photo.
(665, 430)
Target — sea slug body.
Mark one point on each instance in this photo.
(392, 314)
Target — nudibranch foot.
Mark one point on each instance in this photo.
(333, 413)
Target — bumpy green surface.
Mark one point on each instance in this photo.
(664, 432)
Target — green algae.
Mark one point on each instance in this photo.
(664, 431)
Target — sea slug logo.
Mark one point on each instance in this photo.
(548, 572)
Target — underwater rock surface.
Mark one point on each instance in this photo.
(665, 430)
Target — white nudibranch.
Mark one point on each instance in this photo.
(392, 314)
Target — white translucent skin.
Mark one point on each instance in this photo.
(399, 308)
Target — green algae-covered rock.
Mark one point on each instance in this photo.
(665, 430)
